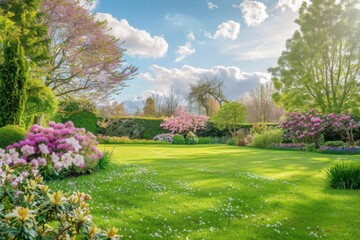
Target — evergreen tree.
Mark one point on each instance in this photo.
(13, 81)
(149, 108)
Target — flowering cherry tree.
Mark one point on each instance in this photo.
(301, 125)
(184, 122)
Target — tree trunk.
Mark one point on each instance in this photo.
(39, 119)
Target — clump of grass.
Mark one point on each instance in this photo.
(105, 161)
(344, 175)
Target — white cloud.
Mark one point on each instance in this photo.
(236, 81)
(184, 51)
(138, 42)
(191, 37)
(293, 5)
(90, 5)
(227, 30)
(146, 76)
(254, 12)
(211, 5)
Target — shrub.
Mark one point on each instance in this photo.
(231, 141)
(311, 147)
(265, 139)
(334, 144)
(212, 140)
(33, 211)
(84, 119)
(191, 138)
(164, 137)
(104, 161)
(11, 134)
(60, 148)
(248, 139)
(258, 128)
(178, 139)
(344, 175)
(240, 139)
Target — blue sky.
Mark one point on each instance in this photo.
(177, 42)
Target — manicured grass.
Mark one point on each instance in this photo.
(219, 192)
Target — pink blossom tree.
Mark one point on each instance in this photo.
(343, 124)
(184, 122)
(298, 126)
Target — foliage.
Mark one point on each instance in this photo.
(334, 144)
(105, 161)
(339, 150)
(184, 122)
(13, 82)
(178, 139)
(83, 119)
(344, 175)
(191, 138)
(258, 128)
(231, 141)
(212, 140)
(240, 138)
(132, 127)
(127, 140)
(310, 147)
(86, 60)
(164, 137)
(60, 148)
(263, 140)
(343, 123)
(11, 134)
(112, 110)
(206, 90)
(149, 109)
(166, 105)
(230, 116)
(248, 139)
(211, 131)
(321, 63)
(30, 210)
(287, 146)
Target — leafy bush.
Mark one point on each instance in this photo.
(191, 138)
(60, 148)
(265, 139)
(84, 119)
(240, 139)
(334, 144)
(33, 211)
(344, 175)
(11, 134)
(340, 150)
(164, 137)
(105, 161)
(231, 141)
(212, 140)
(248, 139)
(310, 147)
(127, 140)
(178, 139)
(259, 128)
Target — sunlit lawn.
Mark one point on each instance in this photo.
(219, 192)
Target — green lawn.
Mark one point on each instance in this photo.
(219, 192)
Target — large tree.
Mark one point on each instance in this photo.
(13, 82)
(86, 61)
(321, 64)
(206, 90)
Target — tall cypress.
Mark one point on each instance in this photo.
(13, 81)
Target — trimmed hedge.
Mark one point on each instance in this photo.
(85, 119)
(134, 127)
(11, 134)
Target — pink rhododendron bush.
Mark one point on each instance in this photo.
(57, 149)
(30, 210)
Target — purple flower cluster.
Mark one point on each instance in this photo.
(61, 146)
(288, 146)
(164, 137)
(340, 150)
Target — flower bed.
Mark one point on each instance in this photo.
(340, 150)
(287, 146)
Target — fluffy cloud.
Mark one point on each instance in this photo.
(227, 30)
(211, 5)
(254, 12)
(184, 51)
(91, 5)
(138, 42)
(146, 76)
(236, 81)
(293, 5)
(191, 37)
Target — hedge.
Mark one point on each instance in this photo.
(81, 119)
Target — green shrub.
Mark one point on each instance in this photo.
(344, 175)
(212, 140)
(191, 138)
(178, 139)
(11, 134)
(84, 119)
(265, 139)
(310, 147)
(105, 161)
(231, 141)
(127, 140)
(334, 144)
(258, 128)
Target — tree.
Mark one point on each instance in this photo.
(149, 108)
(230, 116)
(184, 122)
(260, 106)
(204, 91)
(13, 81)
(111, 110)
(86, 61)
(165, 106)
(320, 67)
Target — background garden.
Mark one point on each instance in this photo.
(281, 162)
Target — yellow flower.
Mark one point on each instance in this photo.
(92, 231)
(21, 213)
(112, 233)
(29, 198)
(57, 198)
